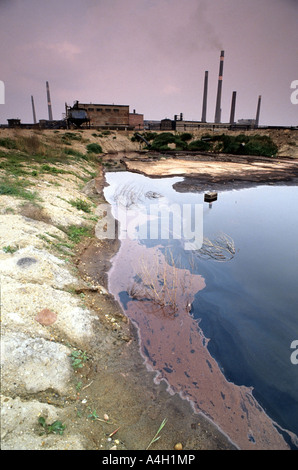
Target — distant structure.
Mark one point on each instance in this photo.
(219, 89)
(104, 116)
(167, 124)
(258, 111)
(14, 122)
(249, 123)
(76, 115)
(233, 107)
(136, 120)
(33, 110)
(49, 102)
(205, 96)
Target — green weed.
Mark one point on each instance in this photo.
(93, 415)
(161, 142)
(94, 148)
(78, 358)
(75, 153)
(156, 437)
(8, 143)
(10, 249)
(13, 167)
(81, 205)
(71, 136)
(17, 188)
(259, 145)
(56, 427)
(76, 232)
(51, 169)
(60, 245)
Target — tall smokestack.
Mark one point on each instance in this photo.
(49, 102)
(233, 106)
(258, 112)
(204, 108)
(33, 110)
(219, 88)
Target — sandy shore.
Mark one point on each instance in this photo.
(212, 169)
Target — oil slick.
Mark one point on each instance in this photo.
(173, 345)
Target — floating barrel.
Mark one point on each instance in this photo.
(210, 196)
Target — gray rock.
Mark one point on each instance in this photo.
(26, 262)
(34, 364)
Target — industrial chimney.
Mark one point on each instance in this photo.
(33, 110)
(219, 89)
(258, 112)
(204, 108)
(233, 106)
(49, 102)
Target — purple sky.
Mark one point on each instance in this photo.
(150, 55)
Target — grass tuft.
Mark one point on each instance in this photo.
(75, 233)
(17, 188)
(81, 205)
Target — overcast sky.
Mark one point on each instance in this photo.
(150, 55)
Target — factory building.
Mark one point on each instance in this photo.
(136, 121)
(106, 116)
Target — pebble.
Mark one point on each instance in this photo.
(27, 261)
(46, 317)
(178, 446)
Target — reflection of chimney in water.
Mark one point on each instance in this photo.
(204, 108)
(219, 89)
(49, 102)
